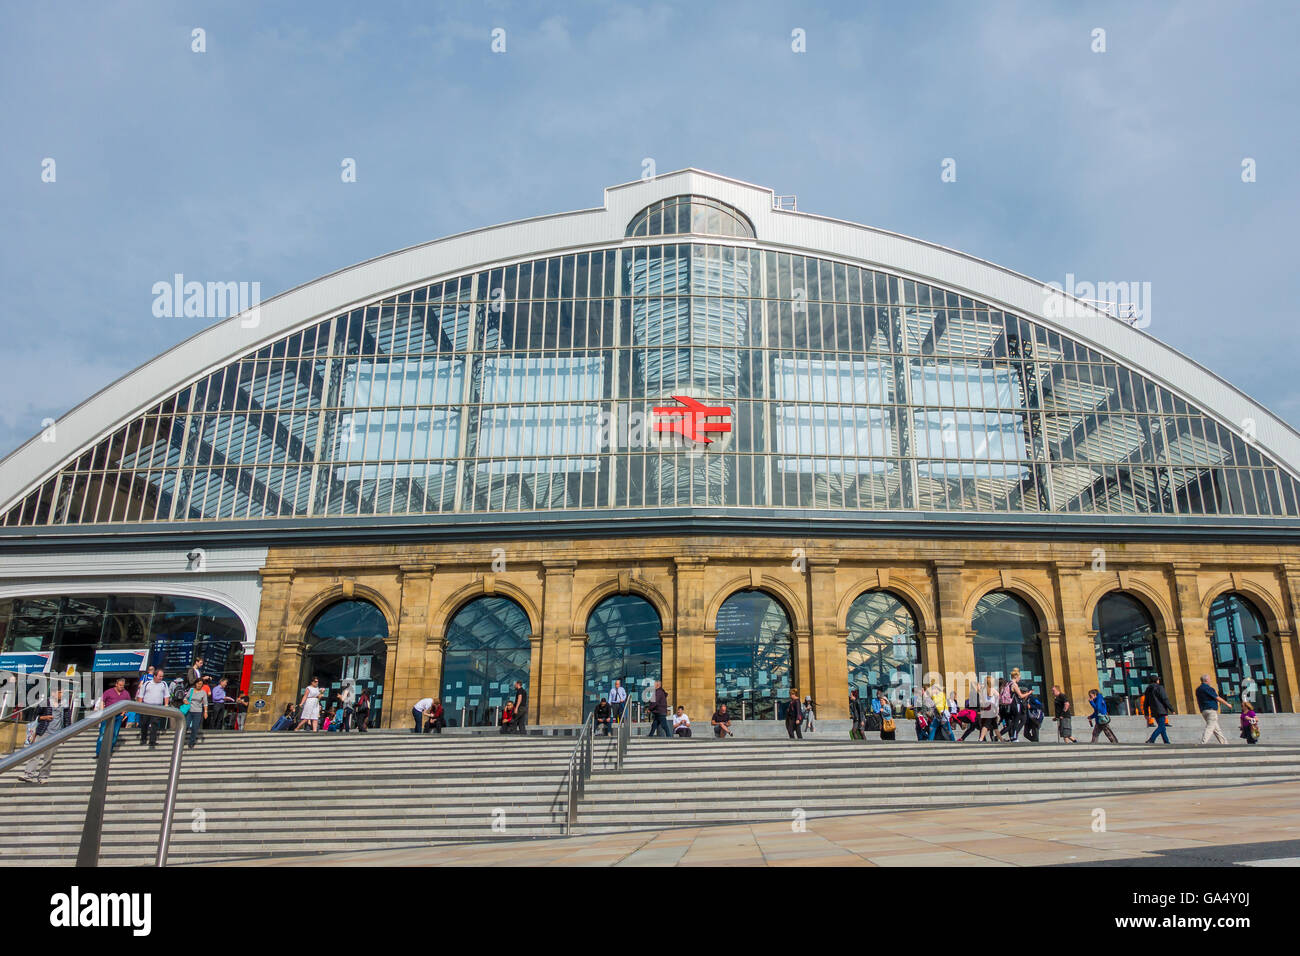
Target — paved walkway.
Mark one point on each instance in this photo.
(1257, 825)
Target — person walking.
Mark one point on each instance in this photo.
(156, 692)
(1099, 718)
(659, 711)
(1014, 697)
(418, 710)
(886, 712)
(1033, 716)
(114, 695)
(363, 711)
(1208, 701)
(521, 708)
(857, 716)
(196, 711)
(809, 715)
(793, 715)
(51, 717)
(1157, 705)
(194, 673)
(1061, 703)
(309, 706)
(989, 705)
(617, 701)
(347, 698)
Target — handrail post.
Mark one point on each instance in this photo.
(93, 831)
(169, 803)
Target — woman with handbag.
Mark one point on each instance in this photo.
(1099, 718)
(362, 709)
(887, 726)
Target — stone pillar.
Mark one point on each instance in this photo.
(560, 700)
(412, 679)
(435, 650)
(272, 630)
(692, 678)
(1286, 647)
(1072, 654)
(829, 686)
(392, 715)
(1195, 656)
(534, 678)
(956, 650)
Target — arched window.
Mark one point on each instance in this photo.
(622, 644)
(1126, 651)
(680, 215)
(1243, 660)
(883, 650)
(1006, 637)
(346, 643)
(753, 664)
(487, 651)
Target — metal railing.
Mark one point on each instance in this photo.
(624, 736)
(93, 829)
(575, 783)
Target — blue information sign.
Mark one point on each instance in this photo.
(118, 660)
(26, 662)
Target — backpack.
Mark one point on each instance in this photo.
(1036, 710)
(1005, 697)
(178, 694)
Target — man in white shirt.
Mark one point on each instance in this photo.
(418, 711)
(681, 723)
(617, 700)
(155, 692)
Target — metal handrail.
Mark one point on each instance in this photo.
(624, 735)
(93, 829)
(575, 782)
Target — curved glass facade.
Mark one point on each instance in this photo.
(752, 656)
(1006, 637)
(1126, 651)
(1243, 660)
(171, 630)
(623, 643)
(346, 643)
(655, 376)
(884, 653)
(487, 651)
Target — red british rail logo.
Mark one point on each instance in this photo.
(691, 420)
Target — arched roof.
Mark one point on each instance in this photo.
(777, 229)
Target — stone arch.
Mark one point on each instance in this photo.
(637, 586)
(1267, 605)
(484, 588)
(783, 594)
(342, 591)
(1038, 603)
(913, 600)
(1155, 603)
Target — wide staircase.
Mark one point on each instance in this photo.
(255, 795)
(675, 783)
(244, 796)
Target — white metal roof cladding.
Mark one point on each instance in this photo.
(532, 238)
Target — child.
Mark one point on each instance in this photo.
(1249, 723)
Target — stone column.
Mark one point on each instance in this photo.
(270, 648)
(560, 700)
(1195, 656)
(1286, 647)
(956, 650)
(1072, 656)
(392, 714)
(829, 686)
(692, 665)
(412, 679)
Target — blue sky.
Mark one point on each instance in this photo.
(1115, 166)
